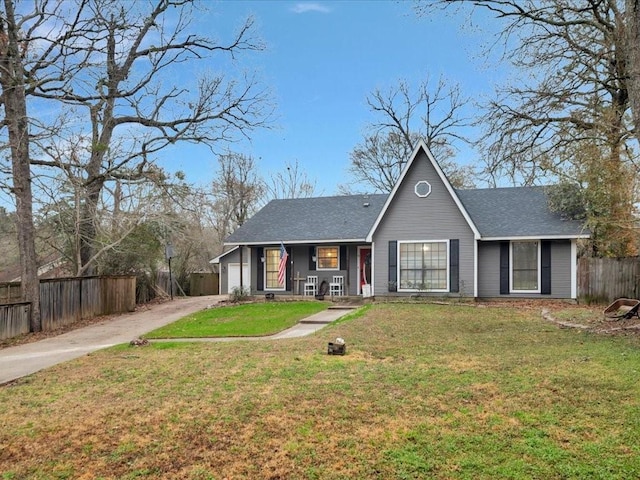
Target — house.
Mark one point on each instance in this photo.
(424, 237)
(51, 266)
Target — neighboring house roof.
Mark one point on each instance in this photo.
(501, 213)
(53, 266)
(317, 220)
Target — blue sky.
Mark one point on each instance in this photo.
(322, 60)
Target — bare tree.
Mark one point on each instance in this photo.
(572, 94)
(198, 242)
(14, 82)
(126, 208)
(290, 182)
(123, 76)
(9, 248)
(431, 113)
(237, 190)
(632, 13)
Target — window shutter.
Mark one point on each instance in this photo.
(260, 269)
(545, 267)
(504, 268)
(287, 280)
(393, 266)
(454, 265)
(312, 264)
(343, 257)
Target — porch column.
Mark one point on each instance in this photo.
(241, 269)
(348, 279)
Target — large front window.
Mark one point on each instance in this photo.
(525, 269)
(424, 266)
(328, 258)
(271, 263)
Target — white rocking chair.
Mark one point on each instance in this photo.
(311, 285)
(336, 287)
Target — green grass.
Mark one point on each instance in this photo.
(254, 319)
(424, 392)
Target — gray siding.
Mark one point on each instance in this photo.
(489, 270)
(412, 218)
(561, 269)
(224, 269)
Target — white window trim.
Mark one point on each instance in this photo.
(415, 290)
(417, 187)
(264, 272)
(318, 259)
(511, 288)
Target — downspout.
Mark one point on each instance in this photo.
(475, 268)
(574, 269)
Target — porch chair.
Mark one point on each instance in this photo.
(336, 287)
(311, 285)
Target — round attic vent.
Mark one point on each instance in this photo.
(423, 189)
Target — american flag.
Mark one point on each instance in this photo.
(282, 266)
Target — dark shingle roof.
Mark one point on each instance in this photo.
(311, 219)
(496, 212)
(515, 212)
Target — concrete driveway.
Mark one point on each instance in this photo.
(16, 362)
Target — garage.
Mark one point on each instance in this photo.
(234, 277)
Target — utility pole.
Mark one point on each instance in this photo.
(168, 253)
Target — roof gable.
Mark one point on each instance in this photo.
(224, 254)
(422, 148)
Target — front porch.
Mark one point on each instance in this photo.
(330, 271)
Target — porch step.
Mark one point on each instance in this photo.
(346, 301)
(344, 306)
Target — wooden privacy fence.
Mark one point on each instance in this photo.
(606, 279)
(64, 301)
(14, 319)
(10, 292)
(203, 284)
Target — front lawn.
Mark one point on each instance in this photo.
(253, 319)
(424, 392)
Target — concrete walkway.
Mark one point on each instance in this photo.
(21, 360)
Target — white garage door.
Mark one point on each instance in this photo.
(234, 277)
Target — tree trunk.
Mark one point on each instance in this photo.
(88, 229)
(13, 96)
(633, 60)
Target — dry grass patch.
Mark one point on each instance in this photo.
(425, 391)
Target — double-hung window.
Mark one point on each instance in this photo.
(328, 258)
(271, 263)
(424, 266)
(525, 266)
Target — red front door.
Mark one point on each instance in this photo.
(365, 267)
